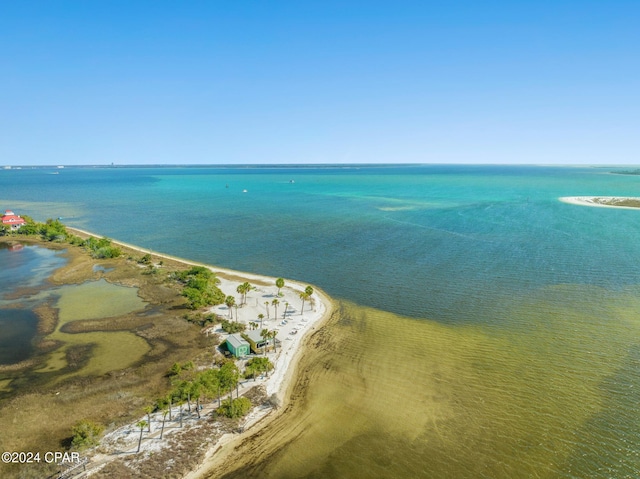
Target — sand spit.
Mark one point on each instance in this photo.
(627, 202)
(292, 329)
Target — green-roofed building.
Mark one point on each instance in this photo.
(237, 345)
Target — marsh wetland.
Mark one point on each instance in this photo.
(88, 339)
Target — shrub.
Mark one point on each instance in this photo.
(234, 408)
(231, 327)
(200, 287)
(146, 259)
(85, 434)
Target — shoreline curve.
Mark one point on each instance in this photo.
(286, 361)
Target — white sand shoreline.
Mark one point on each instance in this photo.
(284, 360)
(601, 201)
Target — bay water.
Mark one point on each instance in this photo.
(485, 329)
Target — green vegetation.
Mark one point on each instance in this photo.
(101, 248)
(178, 368)
(257, 366)
(231, 327)
(85, 434)
(306, 295)
(200, 287)
(230, 301)
(201, 319)
(279, 284)
(243, 289)
(234, 408)
(146, 259)
(190, 384)
(141, 425)
(54, 230)
(51, 230)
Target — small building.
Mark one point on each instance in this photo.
(12, 220)
(258, 343)
(237, 345)
(255, 335)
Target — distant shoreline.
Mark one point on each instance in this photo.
(623, 202)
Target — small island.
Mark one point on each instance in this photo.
(628, 202)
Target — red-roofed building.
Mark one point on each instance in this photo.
(12, 220)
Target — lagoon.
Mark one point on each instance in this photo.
(24, 287)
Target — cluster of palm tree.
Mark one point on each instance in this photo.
(243, 289)
(266, 336)
(257, 366)
(189, 386)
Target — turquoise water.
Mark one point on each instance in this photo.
(469, 236)
(536, 300)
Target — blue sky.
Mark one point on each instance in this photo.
(137, 82)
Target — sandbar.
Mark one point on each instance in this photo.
(626, 202)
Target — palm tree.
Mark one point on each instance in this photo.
(275, 303)
(304, 295)
(141, 425)
(243, 289)
(196, 391)
(279, 284)
(286, 306)
(308, 290)
(164, 408)
(230, 301)
(265, 336)
(149, 410)
(266, 304)
(261, 317)
(273, 335)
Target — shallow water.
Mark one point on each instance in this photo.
(389, 396)
(96, 300)
(22, 267)
(18, 327)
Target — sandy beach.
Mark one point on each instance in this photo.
(626, 202)
(293, 328)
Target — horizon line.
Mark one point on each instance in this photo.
(302, 165)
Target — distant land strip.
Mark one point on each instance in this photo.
(629, 202)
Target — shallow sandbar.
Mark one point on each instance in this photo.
(628, 202)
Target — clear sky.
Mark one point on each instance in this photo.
(233, 81)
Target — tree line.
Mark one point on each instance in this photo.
(54, 231)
